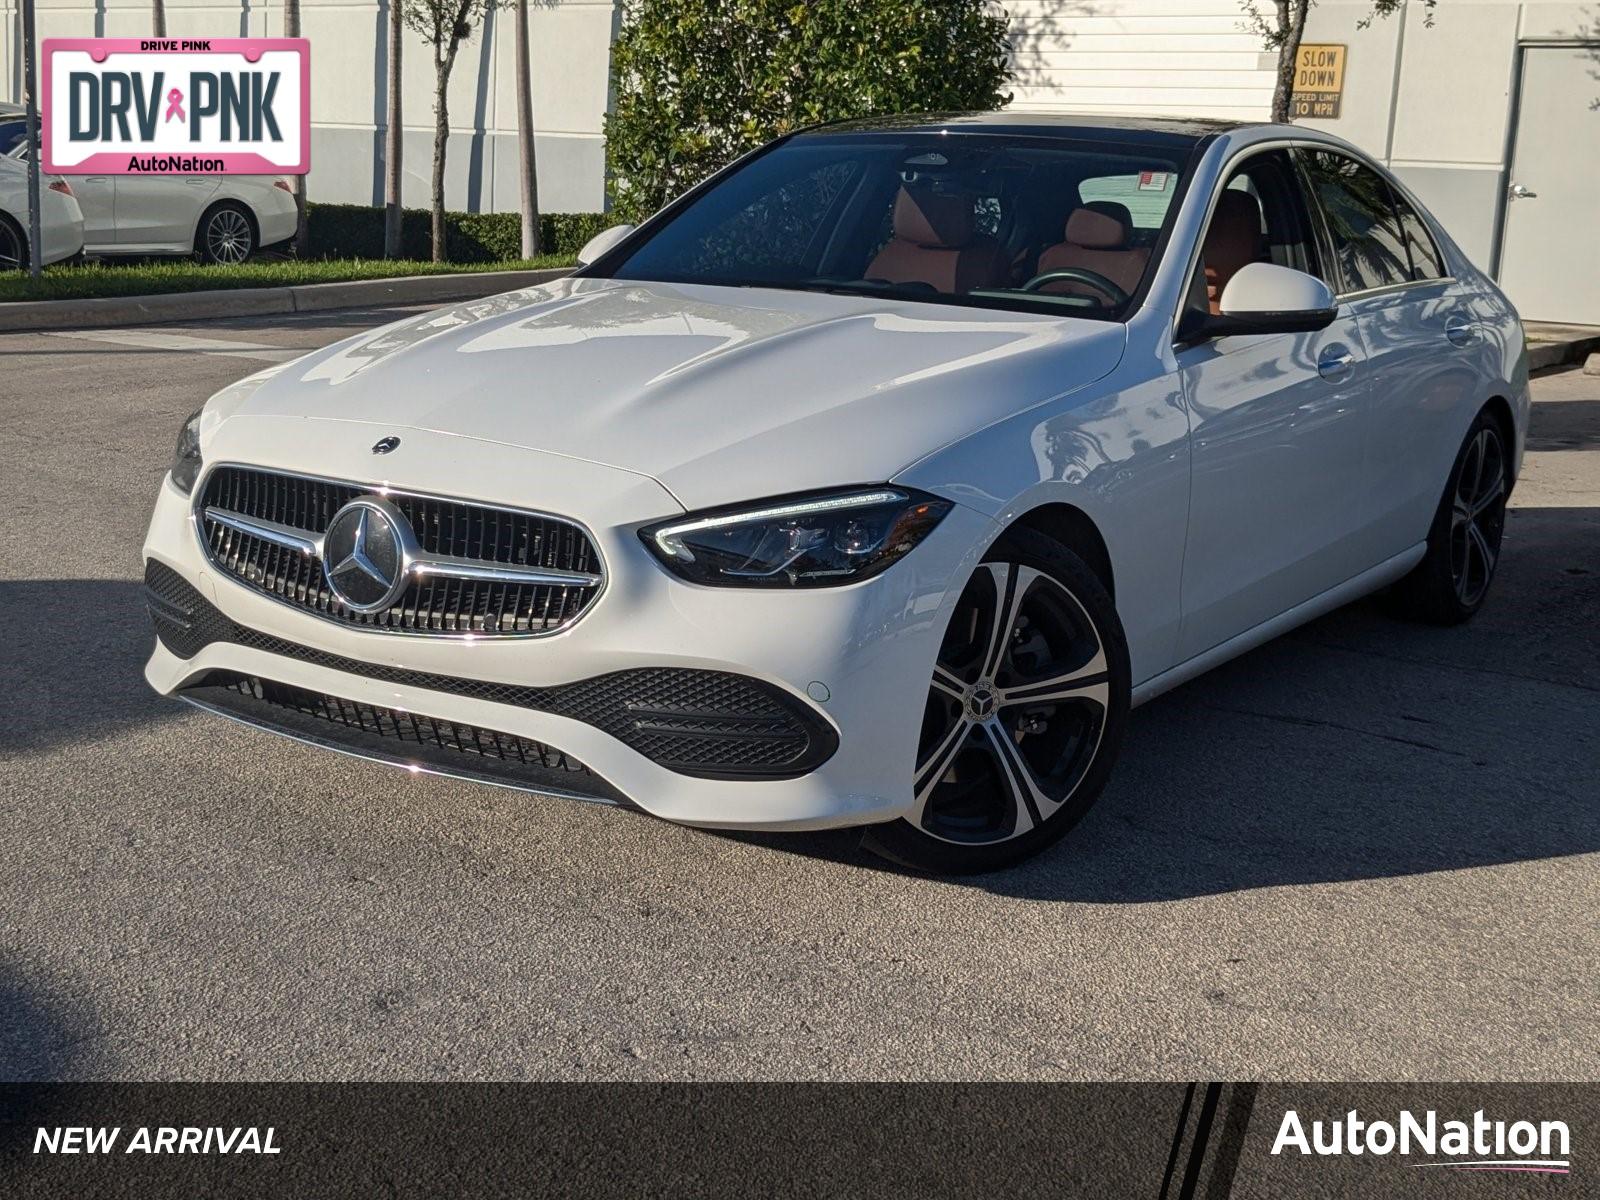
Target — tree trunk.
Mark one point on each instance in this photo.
(393, 137)
(441, 139)
(1292, 26)
(291, 28)
(529, 168)
(158, 18)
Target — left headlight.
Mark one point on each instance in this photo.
(803, 541)
(186, 456)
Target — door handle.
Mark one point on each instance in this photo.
(1335, 363)
(1460, 331)
(1521, 191)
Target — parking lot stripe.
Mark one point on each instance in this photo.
(141, 339)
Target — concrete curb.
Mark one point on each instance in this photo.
(1543, 355)
(261, 302)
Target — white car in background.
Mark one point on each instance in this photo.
(221, 218)
(60, 218)
(870, 483)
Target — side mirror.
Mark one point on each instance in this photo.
(602, 242)
(1265, 298)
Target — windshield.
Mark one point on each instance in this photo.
(1039, 224)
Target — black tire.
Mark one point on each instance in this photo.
(13, 245)
(1452, 581)
(1007, 764)
(226, 234)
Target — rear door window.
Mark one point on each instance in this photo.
(1423, 251)
(1358, 207)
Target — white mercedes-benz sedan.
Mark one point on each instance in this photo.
(60, 218)
(870, 483)
(219, 218)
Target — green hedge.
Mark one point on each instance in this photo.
(356, 231)
(142, 278)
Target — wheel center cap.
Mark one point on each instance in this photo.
(981, 701)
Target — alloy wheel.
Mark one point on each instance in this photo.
(1477, 517)
(1016, 712)
(228, 236)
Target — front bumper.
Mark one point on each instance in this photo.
(869, 648)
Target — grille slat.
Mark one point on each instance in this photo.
(453, 528)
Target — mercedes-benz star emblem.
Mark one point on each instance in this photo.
(384, 445)
(981, 701)
(365, 553)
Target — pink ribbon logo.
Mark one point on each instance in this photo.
(175, 105)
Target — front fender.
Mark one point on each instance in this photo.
(1117, 451)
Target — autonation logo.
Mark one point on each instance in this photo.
(1476, 1145)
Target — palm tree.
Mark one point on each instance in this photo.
(525, 148)
(393, 137)
(291, 28)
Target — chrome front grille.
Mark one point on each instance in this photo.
(480, 570)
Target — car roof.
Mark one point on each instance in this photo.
(1141, 130)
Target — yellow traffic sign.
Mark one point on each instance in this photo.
(1318, 80)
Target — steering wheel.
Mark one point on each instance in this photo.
(1079, 275)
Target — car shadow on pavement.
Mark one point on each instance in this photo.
(1360, 746)
(39, 1039)
(72, 671)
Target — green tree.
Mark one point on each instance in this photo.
(698, 83)
(443, 25)
(1285, 25)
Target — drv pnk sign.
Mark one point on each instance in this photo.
(170, 106)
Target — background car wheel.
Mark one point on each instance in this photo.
(1451, 581)
(13, 245)
(1023, 717)
(227, 235)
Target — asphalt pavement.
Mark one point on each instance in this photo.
(1369, 850)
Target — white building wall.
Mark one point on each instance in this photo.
(1430, 95)
(1184, 57)
(1433, 101)
(1134, 56)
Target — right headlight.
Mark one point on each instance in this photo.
(821, 540)
(186, 455)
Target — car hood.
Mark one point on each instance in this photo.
(721, 394)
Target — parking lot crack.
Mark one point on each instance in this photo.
(1318, 722)
(1409, 660)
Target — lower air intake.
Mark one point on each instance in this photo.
(404, 738)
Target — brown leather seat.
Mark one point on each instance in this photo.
(1112, 209)
(936, 242)
(1096, 239)
(1233, 241)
